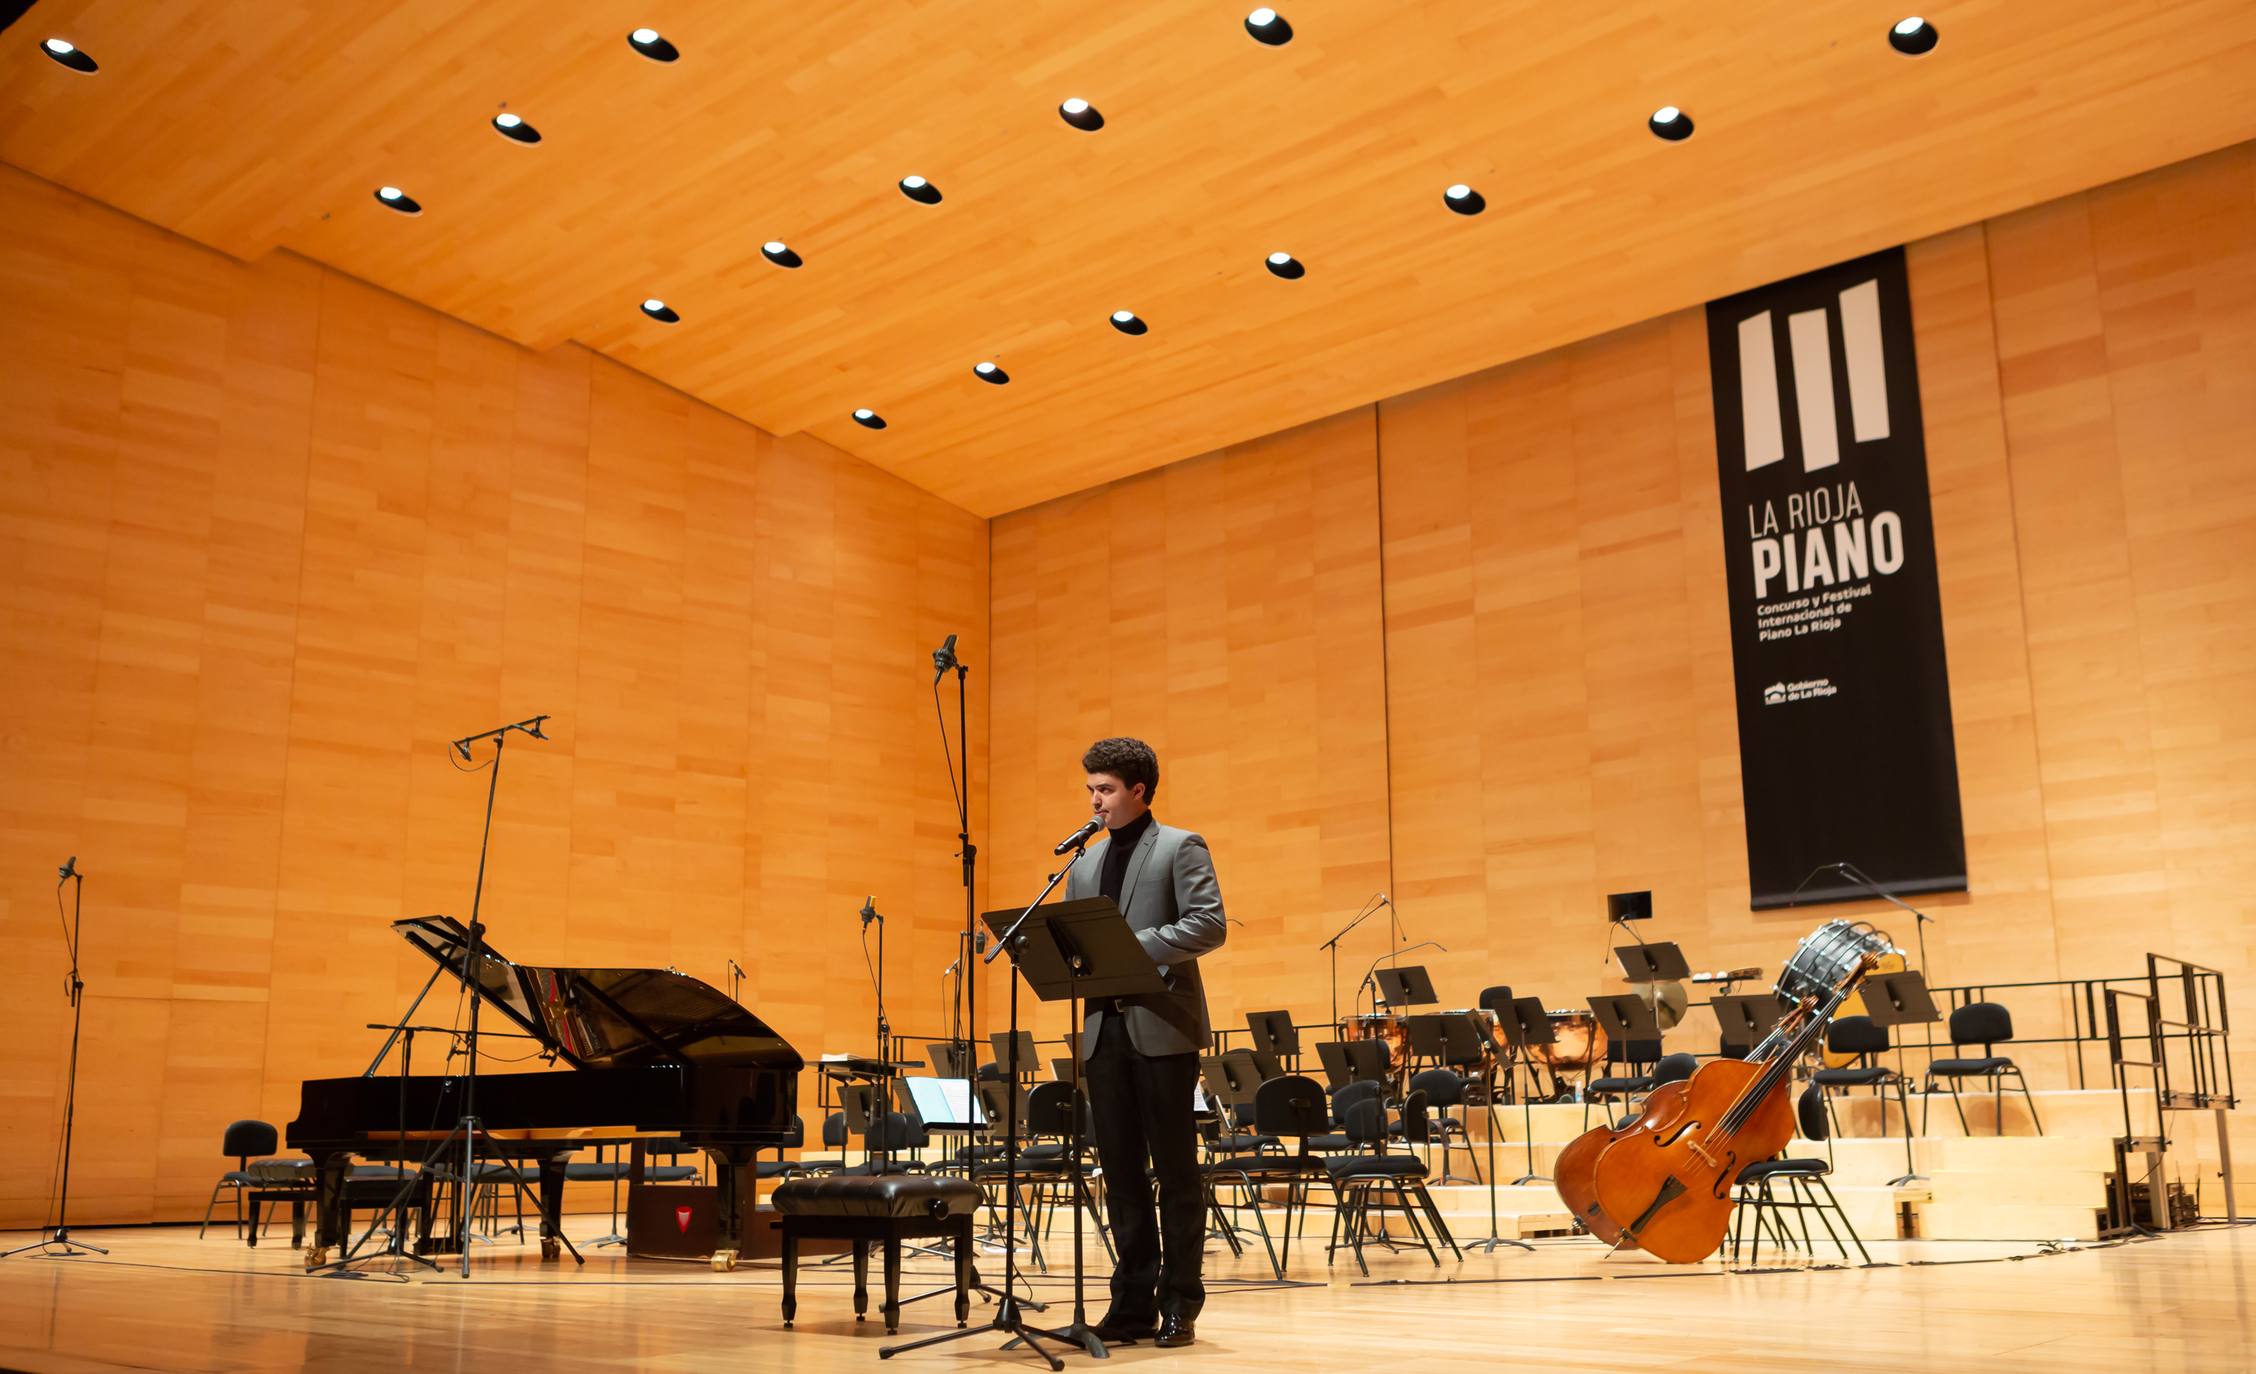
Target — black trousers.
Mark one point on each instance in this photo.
(1142, 1106)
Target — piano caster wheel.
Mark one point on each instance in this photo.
(549, 1248)
(724, 1261)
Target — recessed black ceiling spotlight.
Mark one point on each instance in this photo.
(660, 311)
(991, 374)
(1268, 26)
(67, 53)
(1913, 37)
(653, 45)
(1128, 322)
(514, 128)
(393, 198)
(869, 419)
(1285, 265)
(919, 190)
(1463, 199)
(1081, 115)
(779, 253)
(1670, 123)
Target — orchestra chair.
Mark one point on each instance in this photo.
(607, 1165)
(781, 1167)
(1866, 1039)
(1289, 1106)
(1670, 1068)
(1383, 1183)
(1052, 1135)
(884, 1209)
(1986, 1024)
(834, 1137)
(1444, 1088)
(242, 1140)
(1757, 1204)
(1345, 1098)
(1623, 1085)
(893, 1134)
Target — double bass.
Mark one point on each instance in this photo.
(1663, 1183)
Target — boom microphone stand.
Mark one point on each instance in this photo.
(1331, 946)
(60, 1245)
(972, 938)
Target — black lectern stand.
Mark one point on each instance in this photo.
(1527, 1024)
(1746, 1018)
(1409, 986)
(1067, 952)
(1627, 1022)
(1661, 962)
(1892, 1000)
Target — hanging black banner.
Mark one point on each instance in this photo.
(1845, 744)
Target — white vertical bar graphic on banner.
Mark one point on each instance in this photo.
(1758, 393)
(1868, 365)
(1813, 388)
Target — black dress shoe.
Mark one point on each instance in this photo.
(1114, 1331)
(1176, 1331)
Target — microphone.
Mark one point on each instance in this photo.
(462, 747)
(869, 910)
(69, 868)
(949, 971)
(1080, 837)
(534, 729)
(943, 658)
(979, 941)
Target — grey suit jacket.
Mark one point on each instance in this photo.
(1174, 905)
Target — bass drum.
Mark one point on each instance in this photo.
(1828, 955)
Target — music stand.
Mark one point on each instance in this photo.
(1751, 1015)
(1275, 1035)
(1405, 987)
(1067, 952)
(1367, 1059)
(1626, 1020)
(1027, 1060)
(1424, 1035)
(1527, 1024)
(1452, 1040)
(1892, 1000)
(1661, 962)
(949, 1059)
(1338, 1071)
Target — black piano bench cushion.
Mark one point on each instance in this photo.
(888, 1195)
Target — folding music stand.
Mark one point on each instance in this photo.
(1338, 1070)
(1660, 962)
(1025, 1062)
(949, 1060)
(1425, 1037)
(1367, 1059)
(1405, 987)
(1901, 999)
(1527, 1024)
(1626, 1020)
(1745, 1018)
(1462, 1041)
(1275, 1035)
(1067, 952)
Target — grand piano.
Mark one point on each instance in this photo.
(655, 1053)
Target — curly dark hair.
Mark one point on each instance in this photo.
(1130, 760)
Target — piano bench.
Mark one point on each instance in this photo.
(888, 1208)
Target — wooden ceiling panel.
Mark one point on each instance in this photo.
(252, 126)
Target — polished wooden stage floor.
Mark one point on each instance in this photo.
(164, 1300)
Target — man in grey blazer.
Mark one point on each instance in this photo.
(1142, 1052)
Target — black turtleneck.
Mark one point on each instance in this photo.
(1118, 850)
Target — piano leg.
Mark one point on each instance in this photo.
(331, 1216)
(552, 1204)
(732, 1176)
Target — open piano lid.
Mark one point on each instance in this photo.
(609, 1017)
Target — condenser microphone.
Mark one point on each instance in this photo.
(943, 658)
(462, 747)
(1081, 836)
(534, 729)
(869, 910)
(69, 868)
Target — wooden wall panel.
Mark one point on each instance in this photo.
(1226, 611)
(272, 538)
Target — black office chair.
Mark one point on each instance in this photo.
(243, 1140)
(1608, 1086)
(1866, 1039)
(1288, 1107)
(1985, 1024)
(1757, 1205)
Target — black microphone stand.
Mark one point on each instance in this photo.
(60, 1245)
(943, 659)
(1920, 921)
(1332, 946)
(1008, 1317)
(881, 1120)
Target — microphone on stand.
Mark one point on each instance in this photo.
(69, 868)
(462, 747)
(534, 729)
(1080, 837)
(869, 910)
(943, 658)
